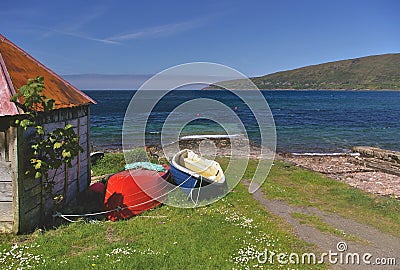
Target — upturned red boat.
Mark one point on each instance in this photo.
(132, 192)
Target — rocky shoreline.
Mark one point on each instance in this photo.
(373, 170)
(353, 170)
(219, 146)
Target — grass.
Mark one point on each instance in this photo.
(114, 162)
(228, 234)
(301, 187)
(110, 163)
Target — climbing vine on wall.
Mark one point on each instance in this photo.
(51, 148)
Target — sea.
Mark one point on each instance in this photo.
(315, 121)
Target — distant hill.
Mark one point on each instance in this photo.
(370, 73)
(133, 81)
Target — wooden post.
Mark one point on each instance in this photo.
(65, 191)
(79, 158)
(89, 174)
(15, 140)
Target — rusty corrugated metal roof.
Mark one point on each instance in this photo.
(17, 67)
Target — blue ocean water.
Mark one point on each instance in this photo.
(306, 121)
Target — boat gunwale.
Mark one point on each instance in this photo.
(175, 164)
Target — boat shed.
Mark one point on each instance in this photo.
(24, 204)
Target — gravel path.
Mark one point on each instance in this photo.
(379, 244)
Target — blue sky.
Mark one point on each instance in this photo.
(145, 37)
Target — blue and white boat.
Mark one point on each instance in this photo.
(192, 172)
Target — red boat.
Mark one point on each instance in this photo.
(135, 191)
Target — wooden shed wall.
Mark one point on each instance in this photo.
(8, 169)
(34, 205)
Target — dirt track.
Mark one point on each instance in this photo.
(379, 244)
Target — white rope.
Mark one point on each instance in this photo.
(198, 192)
(76, 221)
(116, 209)
(67, 219)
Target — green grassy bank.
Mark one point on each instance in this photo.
(228, 234)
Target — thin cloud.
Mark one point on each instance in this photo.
(157, 31)
(74, 30)
(83, 36)
(73, 27)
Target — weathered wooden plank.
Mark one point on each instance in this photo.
(6, 192)
(88, 146)
(3, 145)
(78, 158)
(84, 181)
(56, 173)
(59, 182)
(74, 162)
(62, 115)
(15, 153)
(83, 157)
(13, 138)
(73, 122)
(60, 187)
(73, 173)
(83, 130)
(83, 140)
(30, 182)
(6, 226)
(33, 192)
(83, 144)
(49, 206)
(83, 134)
(83, 111)
(83, 121)
(5, 171)
(31, 219)
(84, 161)
(84, 175)
(6, 213)
(54, 125)
(72, 191)
(59, 191)
(32, 202)
(28, 134)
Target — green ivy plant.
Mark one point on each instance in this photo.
(51, 149)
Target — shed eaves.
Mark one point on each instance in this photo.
(17, 67)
